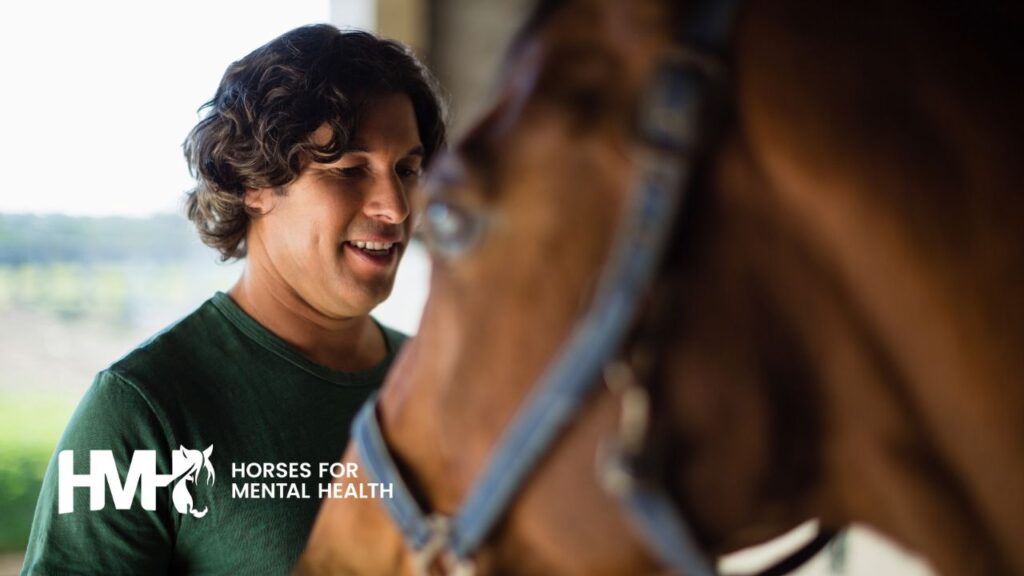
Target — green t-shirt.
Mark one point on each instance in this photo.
(215, 378)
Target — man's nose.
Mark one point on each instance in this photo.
(387, 200)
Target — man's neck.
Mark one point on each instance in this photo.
(346, 344)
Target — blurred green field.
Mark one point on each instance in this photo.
(29, 429)
(75, 295)
(60, 323)
(120, 294)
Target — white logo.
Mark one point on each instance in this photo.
(185, 468)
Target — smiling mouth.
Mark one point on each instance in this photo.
(377, 249)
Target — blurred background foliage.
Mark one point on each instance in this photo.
(37, 239)
(77, 293)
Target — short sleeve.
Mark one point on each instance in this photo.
(113, 415)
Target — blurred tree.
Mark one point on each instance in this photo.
(26, 238)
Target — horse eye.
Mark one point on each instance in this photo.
(451, 230)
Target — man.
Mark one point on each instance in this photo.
(304, 166)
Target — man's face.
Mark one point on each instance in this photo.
(335, 237)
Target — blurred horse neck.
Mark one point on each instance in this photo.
(859, 257)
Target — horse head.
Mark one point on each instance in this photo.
(193, 462)
(836, 324)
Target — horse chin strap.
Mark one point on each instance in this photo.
(672, 135)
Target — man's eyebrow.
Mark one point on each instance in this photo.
(416, 150)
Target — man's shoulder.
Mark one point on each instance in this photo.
(180, 345)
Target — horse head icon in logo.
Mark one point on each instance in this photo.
(192, 462)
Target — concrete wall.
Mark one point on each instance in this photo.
(461, 40)
(407, 21)
(467, 41)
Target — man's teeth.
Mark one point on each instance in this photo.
(379, 246)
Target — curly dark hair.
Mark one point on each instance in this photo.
(256, 133)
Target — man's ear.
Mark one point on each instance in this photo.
(260, 201)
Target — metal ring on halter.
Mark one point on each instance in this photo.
(614, 454)
(636, 405)
(428, 554)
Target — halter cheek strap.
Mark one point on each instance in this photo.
(405, 511)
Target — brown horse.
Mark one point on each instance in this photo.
(847, 322)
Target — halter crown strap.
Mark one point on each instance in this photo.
(670, 129)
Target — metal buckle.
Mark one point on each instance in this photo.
(435, 557)
(617, 454)
(673, 108)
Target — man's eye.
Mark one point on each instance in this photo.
(407, 172)
(350, 171)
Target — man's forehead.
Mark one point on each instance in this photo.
(414, 150)
(322, 135)
(390, 120)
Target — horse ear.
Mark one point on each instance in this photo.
(181, 448)
(208, 451)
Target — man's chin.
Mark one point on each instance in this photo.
(360, 296)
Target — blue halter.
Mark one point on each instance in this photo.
(669, 137)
